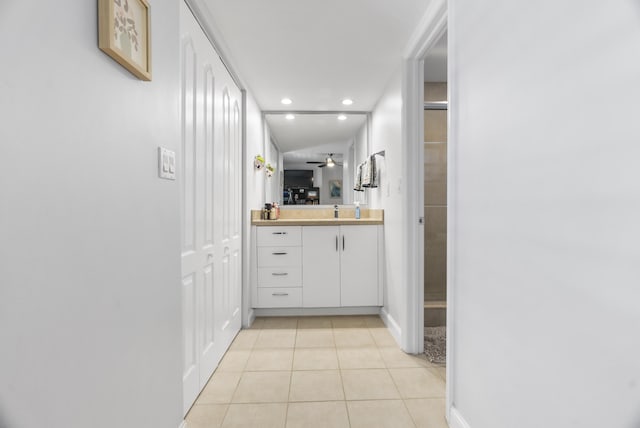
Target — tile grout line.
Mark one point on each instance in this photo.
(404, 404)
(286, 410)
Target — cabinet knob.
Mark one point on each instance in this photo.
(279, 273)
(278, 233)
(279, 254)
(279, 294)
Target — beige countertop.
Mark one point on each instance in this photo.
(316, 221)
(320, 217)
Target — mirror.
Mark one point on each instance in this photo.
(316, 153)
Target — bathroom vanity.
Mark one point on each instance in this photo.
(308, 259)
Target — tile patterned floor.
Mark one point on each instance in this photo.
(327, 372)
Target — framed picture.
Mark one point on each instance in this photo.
(124, 33)
(335, 188)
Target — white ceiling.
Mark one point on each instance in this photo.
(322, 133)
(315, 52)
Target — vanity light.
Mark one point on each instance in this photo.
(286, 101)
(342, 117)
(289, 117)
(347, 101)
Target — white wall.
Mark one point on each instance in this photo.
(386, 134)
(273, 189)
(546, 280)
(360, 152)
(254, 188)
(330, 174)
(89, 250)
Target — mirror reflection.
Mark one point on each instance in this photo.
(318, 152)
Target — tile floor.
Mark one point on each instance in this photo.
(328, 372)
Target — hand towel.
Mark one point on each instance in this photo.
(370, 180)
(358, 181)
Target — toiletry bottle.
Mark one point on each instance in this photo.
(357, 210)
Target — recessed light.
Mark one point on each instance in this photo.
(289, 117)
(286, 101)
(342, 117)
(347, 101)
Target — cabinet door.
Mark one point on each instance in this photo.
(359, 265)
(320, 266)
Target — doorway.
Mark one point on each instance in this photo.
(435, 202)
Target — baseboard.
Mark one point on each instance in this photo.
(392, 325)
(251, 317)
(292, 312)
(456, 420)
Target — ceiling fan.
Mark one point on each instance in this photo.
(329, 161)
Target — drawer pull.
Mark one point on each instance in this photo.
(280, 273)
(279, 254)
(278, 233)
(279, 294)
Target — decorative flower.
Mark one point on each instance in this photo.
(269, 170)
(258, 162)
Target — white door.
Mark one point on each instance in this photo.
(210, 202)
(359, 266)
(321, 266)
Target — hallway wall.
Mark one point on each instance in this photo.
(90, 317)
(386, 134)
(545, 208)
(254, 190)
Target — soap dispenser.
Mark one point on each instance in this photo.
(357, 210)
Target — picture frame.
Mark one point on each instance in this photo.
(335, 188)
(124, 33)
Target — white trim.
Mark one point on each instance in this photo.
(251, 317)
(205, 19)
(246, 222)
(431, 28)
(456, 420)
(412, 135)
(292, 312)
(392, 325)
(452, 209)
(183, 424)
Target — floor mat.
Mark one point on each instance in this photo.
(435, 344)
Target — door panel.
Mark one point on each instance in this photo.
(210, 199)
(359, 247)
(321, 261)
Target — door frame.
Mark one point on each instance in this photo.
(432, 26)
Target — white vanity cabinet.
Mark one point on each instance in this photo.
(278, 255)
(320, 266)
(340, 266)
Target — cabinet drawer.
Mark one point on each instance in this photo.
(279, 256)
(280, 297)
(279, 236)
(279, 277)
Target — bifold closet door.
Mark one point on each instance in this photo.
(210, 171)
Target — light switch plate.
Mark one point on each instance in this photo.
(166, 163)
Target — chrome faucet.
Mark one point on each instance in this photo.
(335, 211)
